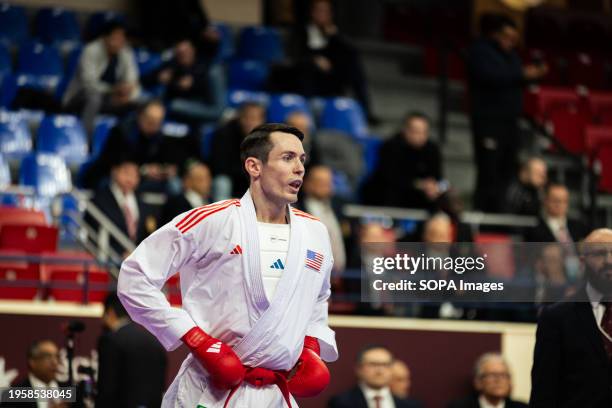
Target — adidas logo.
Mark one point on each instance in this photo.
(236, 251)
(215, 348)
(277, 265)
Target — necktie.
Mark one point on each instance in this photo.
(563, 235)
(606, 326)
(377, 401)
(130, 222)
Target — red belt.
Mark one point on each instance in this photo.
(261, 377)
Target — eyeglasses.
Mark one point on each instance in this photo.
(377, 364)
(598, 253)
(47, 356)
(495, 376)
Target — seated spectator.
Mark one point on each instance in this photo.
(194, 90)
(122, 205)
(229, 176)
(523, 196)
(409, 171)
(319, 200)
(106, 79)
(141, 139)
(401, 382)
(131, 362)
(197, 183)
(327, 62)
(553, 223)
(43, 366)
(303, 122)
(551, 281)
(373, 372)
(493, 385)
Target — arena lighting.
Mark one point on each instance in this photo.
(521, 5)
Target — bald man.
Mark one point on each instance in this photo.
(572, 365)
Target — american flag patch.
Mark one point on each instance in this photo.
(314, 260)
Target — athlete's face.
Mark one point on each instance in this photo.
(281, 176)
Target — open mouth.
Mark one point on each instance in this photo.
(296, 184)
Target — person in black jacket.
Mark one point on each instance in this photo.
(524, 195)
(496, 79)
(409, 169)
(374, 374)
(493, 385)
(572, 361)
(196, 191)
(229, 176)
(132, 363)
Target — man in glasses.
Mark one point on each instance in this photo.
(573, 353)
(493, 385)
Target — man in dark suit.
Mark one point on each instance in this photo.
(132, 363)
(374, 375)
(43, 364)
(493, 385)
(196, 191)
(553, 224)
(121, 204)
(572, 362)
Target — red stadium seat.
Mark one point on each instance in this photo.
(567, 125)
(67, 284)
(539, 101)
(598, 140)
(600, 106)
(18, 279)
(500, 256)
(16, 215)
(29, 238)
(586, 69)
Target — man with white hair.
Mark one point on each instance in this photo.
(493, 385)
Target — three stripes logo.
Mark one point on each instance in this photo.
(195, 216)
(236, 251)
(277, 265)
(215, 348)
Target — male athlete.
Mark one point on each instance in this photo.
(254, 279)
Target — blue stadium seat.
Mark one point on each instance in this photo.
(237, 97)
(36, 58)
(226, 42)
(5, 173)
(206, 137)
(250, 75)
(5, 62)
(260, 43)
(15, 137)
(371, 146)
(72, 63)
(346, 115)
(55, 25)
(147, 60)
(175, 129)
(101, 132)
(63, 135)
(97, 21)
(283, 104)
(13, 24)
(47, 173)
(8, 90)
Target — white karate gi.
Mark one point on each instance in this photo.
(216, 250)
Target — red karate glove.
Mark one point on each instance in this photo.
(312, 375)
(223, 365)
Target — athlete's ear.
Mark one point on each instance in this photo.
(253, 166)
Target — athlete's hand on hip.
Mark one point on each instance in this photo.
(311, 374)
(223, 365)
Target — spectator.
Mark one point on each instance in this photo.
(194, 90)
(141, 139)
(197, 182)
(401, 382)
(320, 201)
(523, 196)
(374, 375)
(573, 351)
(165, 23)
(229, 176)
(493, 384)
(106, 79)
(553, 223)
(496, 79)
(120, 203)
(438, 230)
(551, 277)
(131, 362)
(409, 171)
(328, 63)
(303, 122)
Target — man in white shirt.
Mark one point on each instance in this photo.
(374, 376)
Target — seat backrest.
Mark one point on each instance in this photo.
(147, 60)
(237, 97)
(13, 23)
(595, 136)
(29, 238)
(250, 75)
(346, 115)
(282, 105)
(260, 43)
(36, 58)
(63, 135)
(46, 172)
(568, 126)
(17, 215)
(57, 24)
(15, 137)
